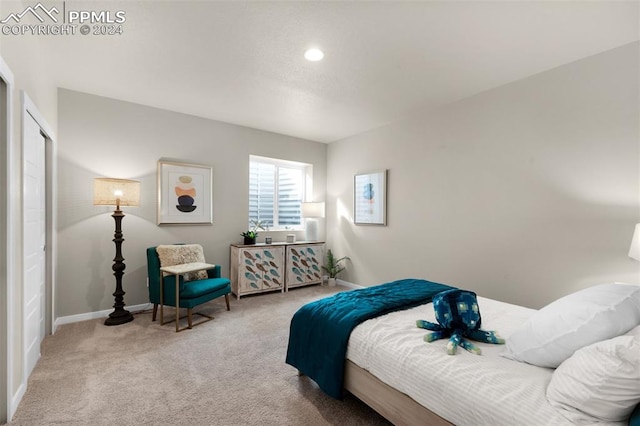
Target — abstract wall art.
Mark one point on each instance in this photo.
(370, 198)
(184, 193)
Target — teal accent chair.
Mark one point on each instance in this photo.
(191, 293)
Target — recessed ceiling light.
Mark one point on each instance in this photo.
(314, 55)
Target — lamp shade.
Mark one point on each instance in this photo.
(116, 192)
(313, 210)
(634, 250)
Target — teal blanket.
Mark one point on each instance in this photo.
(634, 420)
(320, 330)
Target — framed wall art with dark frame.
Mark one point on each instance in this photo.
(184, 193)
(370, 198)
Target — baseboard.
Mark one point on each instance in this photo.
(95, 315)
(348, 284)
(15, 400)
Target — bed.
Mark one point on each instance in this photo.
(388, 366)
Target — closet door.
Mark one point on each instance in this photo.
(34, 240)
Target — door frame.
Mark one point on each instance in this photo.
(6, 238)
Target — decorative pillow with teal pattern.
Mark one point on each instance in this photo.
(458, 316)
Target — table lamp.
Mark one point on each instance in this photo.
(117, 192)
(634, 250)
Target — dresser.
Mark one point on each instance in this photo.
(263, 267)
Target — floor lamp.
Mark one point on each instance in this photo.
(312, 212)
(118, 192)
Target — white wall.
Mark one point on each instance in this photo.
(523, 193)
(101, 137)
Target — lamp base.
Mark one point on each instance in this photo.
(311, 231)
(119, 316)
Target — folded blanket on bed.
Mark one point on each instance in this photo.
(320, 330)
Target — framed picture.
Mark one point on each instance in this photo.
(370, 198)
(184, 193)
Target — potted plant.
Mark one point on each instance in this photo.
(333, 267)
(251, 235)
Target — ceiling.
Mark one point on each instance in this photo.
(242, 62)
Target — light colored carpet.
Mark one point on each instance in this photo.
(229, 371)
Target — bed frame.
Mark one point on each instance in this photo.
(392, 404)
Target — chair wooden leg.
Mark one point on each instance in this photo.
(226, 299)
(155, 311)
(189, 317)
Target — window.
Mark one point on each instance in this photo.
(276, 191)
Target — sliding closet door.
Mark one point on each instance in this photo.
(34, 240)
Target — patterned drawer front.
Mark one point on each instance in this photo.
(303, 264)
(261, 269)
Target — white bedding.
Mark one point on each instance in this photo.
(465, 389)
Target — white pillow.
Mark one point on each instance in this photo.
(600, 382)
(556, 331)
(635, 332)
